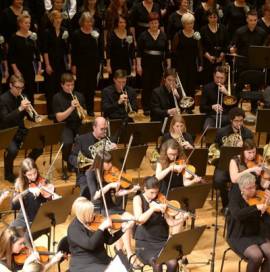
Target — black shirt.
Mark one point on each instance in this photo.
(110, 106)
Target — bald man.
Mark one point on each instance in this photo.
(89, 144)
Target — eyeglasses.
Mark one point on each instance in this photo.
(18, 88)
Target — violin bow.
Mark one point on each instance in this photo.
(170, 180)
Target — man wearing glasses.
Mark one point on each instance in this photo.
(13, 110)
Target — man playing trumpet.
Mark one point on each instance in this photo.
(14, 107)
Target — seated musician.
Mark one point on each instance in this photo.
(118, 99)
(88, 145)
(12, 242)
(170, 153)
(110, 190)
(30, 186)
(233, 134)
(67, 106)
(153, 230)
(245, 227)
(162, 100)
(86, 243)
(178, 131)
(13, 109)
(212, 92)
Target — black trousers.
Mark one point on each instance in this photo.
(68, 136)
(221, 179)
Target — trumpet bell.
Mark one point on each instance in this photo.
(132, 114)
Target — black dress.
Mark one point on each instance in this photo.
(151, 236)
(153, 54)
(57, 48)
(87, 54)
(262, 24)
(174, 24)
(88, 253)
(213, 43)
(24, 52)
(245, 224)
(120, 52)
(187, 55)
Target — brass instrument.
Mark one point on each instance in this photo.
(32, 112)
(128, 108)
(99, 146)
(175, 101)
(83, 161)
(186, 102)
(80, 110)
(219, 112)
(229, 100)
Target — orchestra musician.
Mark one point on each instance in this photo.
(12, 240)
(245, 227)
(13, 109)
(162, 100)
(29, 185)
(152, 221)
(118, 99)
(85, 143)
(209, 101)
(88, 253)
(66, 104)
(178, 131)
(103, 161)
(233, 134)
(170, 153)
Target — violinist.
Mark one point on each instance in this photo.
(88, 253)
(178, 131)
(153, 230)
(170, 153)
(110, 190)
(29, 185)
(245, 233)
(12, 242)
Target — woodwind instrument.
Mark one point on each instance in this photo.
(80, 110)
(229, 100)
(32, 112)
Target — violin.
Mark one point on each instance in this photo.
(259, 199)
(117, 221)
(46, 189)
(173, 206)
(259, 161)
(20, 258)
(113, 174)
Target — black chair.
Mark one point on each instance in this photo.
(63, 246)
(242, 258)
(256, 81)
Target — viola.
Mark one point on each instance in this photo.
(259, 161)
(46, 189)
(173, 206)
(117, 221)
(20, 258)
(259, 198)
(113, 174)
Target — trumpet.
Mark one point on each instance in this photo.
(32, 112)
(128, 108)
(186, 101)
(229, 100)
(80, 110)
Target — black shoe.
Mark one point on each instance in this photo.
(65, 174)
(10, 177)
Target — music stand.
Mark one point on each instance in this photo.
(147, 132)
(41, 136)
(199, 159)
(6, 136)
(263, 117)
(180, 244)
(52, 213)
(210, 136)
(226, 154)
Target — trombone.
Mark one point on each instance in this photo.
(186, 102)
(229, 100)
(219, 111)
(32, 112)
(175, 100)
(80, 110)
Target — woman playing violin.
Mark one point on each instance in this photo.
(245, 233)
(152, 221)
(170, 153)
(103, 161)
(88, 253)
(178, 131)
(12, 242)
(30, 186)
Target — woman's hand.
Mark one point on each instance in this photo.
(106, 224)
(262, 208)
(156, 207)
(256, 169)
(35, 191)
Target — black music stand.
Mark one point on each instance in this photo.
(198, 159)
(226, 154)
(147, 132)
(180, 244)
(6, 136)
(191, 197)
(52, 213)
(210, 136)
(263, 117)
(41, 136)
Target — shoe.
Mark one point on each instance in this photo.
(65, 174)
(10, 177)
